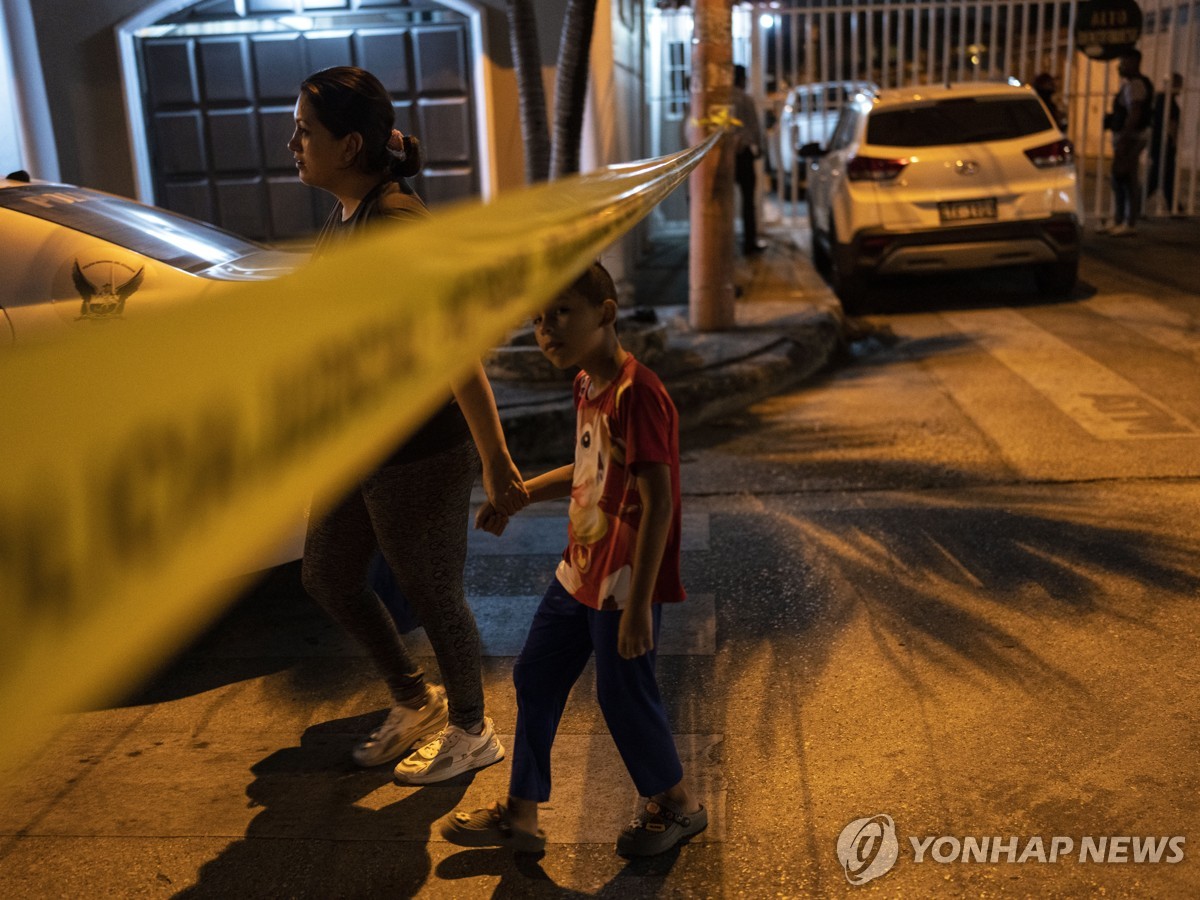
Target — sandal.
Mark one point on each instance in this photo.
(658, 828)
(490, 827)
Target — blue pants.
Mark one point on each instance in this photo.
(563, 636)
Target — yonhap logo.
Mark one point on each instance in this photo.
(867, 848)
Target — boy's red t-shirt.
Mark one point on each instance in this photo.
(631, 422)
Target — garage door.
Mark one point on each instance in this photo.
(219, 83)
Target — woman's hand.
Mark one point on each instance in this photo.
(504, 486)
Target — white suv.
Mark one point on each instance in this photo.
(928, 179)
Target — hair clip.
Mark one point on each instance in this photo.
(395, 145)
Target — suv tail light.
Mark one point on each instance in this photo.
(874, 168)
(1056, 153)
(875, 244)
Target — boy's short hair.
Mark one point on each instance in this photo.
(595, 285)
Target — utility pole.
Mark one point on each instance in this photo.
(710, 249)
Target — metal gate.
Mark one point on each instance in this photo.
(818, 50)
(218, 83)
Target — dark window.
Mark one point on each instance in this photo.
(960, 120)
(165, 236)
(678, 67)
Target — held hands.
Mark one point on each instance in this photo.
(488, 519)
(635, 634)
(505, 489)
(506, 495)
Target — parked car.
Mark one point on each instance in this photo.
(809, 114)
(925, 179)
(78, 258)
(75, 257)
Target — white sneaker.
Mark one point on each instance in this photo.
(404, 729)
(451, 753)
(1103, 229)
(1122, 230)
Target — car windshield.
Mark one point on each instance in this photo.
(166, 236)
(959, 120)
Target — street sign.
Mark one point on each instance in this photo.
(1107, 29)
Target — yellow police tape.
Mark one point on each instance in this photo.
(719, 117)
(143, 464)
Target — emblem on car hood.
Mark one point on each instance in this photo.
(966, 167)
(105, 285)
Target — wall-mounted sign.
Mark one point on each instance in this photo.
(1106, 29)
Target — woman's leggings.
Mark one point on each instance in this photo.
(416, 513)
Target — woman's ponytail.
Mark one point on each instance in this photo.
(405, 152)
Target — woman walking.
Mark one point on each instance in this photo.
(414, 507)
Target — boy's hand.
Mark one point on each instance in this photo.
(505, 489)
(635, 634)
(491, 520)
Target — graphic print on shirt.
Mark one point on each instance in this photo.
(596, 536)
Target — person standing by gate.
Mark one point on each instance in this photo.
(747, 143)
(1165, 126)
(1129, 122)
(1046, 87)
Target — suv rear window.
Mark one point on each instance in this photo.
(166, 236)
(958, 120)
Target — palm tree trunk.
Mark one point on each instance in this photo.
(527, 62)
(570, 88)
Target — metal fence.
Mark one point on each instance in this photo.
(898, 43)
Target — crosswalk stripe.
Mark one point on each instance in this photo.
(1171, 328)
(688, 628)
(1097, 399)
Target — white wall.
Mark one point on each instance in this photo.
(11, 156)
(26, 136)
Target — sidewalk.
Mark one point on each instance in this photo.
(1152, 253)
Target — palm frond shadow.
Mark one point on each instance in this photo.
(756, 452)
(954, 585)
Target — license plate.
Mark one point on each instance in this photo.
(967, 210)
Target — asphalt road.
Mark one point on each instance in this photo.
(957, 585)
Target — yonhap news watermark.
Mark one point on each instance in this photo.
(868, 848)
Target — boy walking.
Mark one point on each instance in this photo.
(621, 563)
